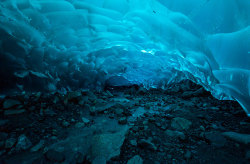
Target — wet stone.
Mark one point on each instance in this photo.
(3, 136)
(79, 125)
(238, 137)
(54, 156)
(146, 144)
(10, 143)
(38, 146)
(99, 160)
(122, 120)
(85, 120)
(133, 142)
(248, 155)
(13, 112)
(175, 134)
(135, 160)
(216, 139)
(188, 154)
(65, 124)
(71, 96)
(180, 123)
(23, 143)
(107, 145)
(79, 158)
(10, 103)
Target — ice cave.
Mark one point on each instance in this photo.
(113, 75)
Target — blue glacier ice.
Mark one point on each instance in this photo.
(56, 45)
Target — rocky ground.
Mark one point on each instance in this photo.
(183, 124)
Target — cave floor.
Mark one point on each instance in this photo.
(183, 124)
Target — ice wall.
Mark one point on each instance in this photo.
(56, 45)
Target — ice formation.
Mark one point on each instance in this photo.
(50, 45)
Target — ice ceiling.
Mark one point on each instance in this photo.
(50, 45)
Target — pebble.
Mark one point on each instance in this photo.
(55, 156)
(147, 144)
(135, 160)
(65, 124)
(85, 120)
(133, 142)
(180, 123)
(79, 125)
(9, 143)
(188, 154)
(109, 93)
(118, 111)
(248, 155)
(216, 139)
(99, 160)
(38, 146)
(79, 157)
(175, 134)
(122, 121)
(14, 112)
(73, 95)
(237, 137)
(10, 103)
(23, 143)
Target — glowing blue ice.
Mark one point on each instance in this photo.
(57, 44)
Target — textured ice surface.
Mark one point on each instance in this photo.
(54, 45)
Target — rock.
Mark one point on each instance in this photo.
(2, 152)
(37, 96)
(9, 143)
(101, 106)
(23, 143)
(135, 160)
(38, 146)
(79, 125)
(32, 108)
(55, 156)
(118, 111)
(99, 160)
(56, 99)
(107, 145)
(248, 155)
(10, 103)
(133, 142)
(90, 95)
(49, 112)
(83, 100)
(180, 123)
(79, 157)
(237, 137)
(72, 96)
(175, 134)
(14, 112)
(215, 138)
(109, 93)
(188, 154)
(122, 120)
(197, 93)
(146, 144)
(187, 95)
(3, 136)
(121, 100)
(87, 107)
(202, 128)
(142, 91)
(3, 122)
(85, 120)
(214, 108)
(65, 123)
(2, 145)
